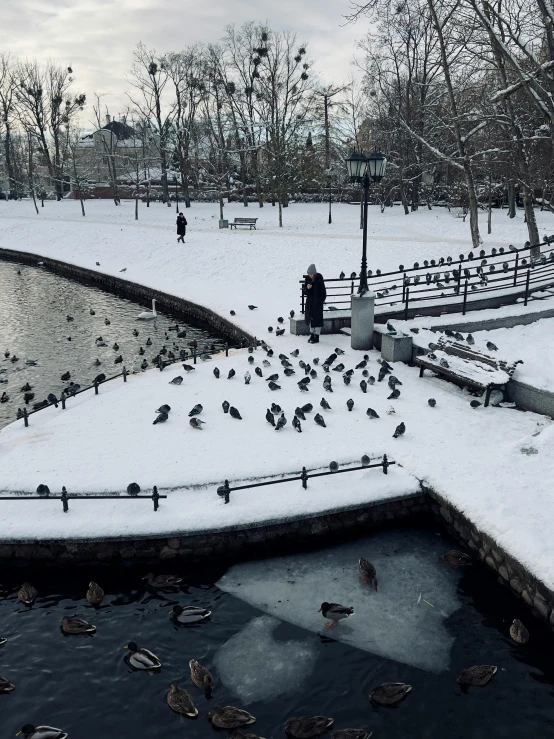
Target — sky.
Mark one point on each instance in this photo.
(97, 37)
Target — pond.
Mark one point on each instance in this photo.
(35, 308)
(424, 613)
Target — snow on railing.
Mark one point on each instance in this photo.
(65, 497)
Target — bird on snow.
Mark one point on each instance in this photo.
(304, 381)
(346, 379)
(330, 359)
(383, 372)
(280, 319)
(315, 360)
(363, 386)
(390, 410)
(234, 413)
(308, 408)
(274, 386)
(123, 270)
(281, 422)
(270, 329)
(371, 413)
(307, 369)
(319, 420)
(362, 364)
(303, 387)
(349, 372)
(275, 409)
(443, 363)
(216, 373)
(390, 327)
(289, 372)
(252, 307)
(470, 340)
(432, 402)
(279, 331)
(258, 371)
(286, 363)
(231, 374)
(162, 418)
(339, 367)
(313, 374)
(270, 418)
(393, 381)
(272, 378)
(176, 380)
(165, 408)
(225, 406)
(335, 612)
(250, 360)
(295, 353)
(339, 351)
(395, 394)
(400, 429)
(266, 363)
(196, 410)
(324, 404)
(492, 347)
(291, 314)
(296, 424)
(188, 368)
(474, 403)
(196, 423)
(247, 378)
(350, 404)
(283, 356)
(300, 413)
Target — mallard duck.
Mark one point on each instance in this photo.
(95, 594)
(368, 572)
(518, 632)
(335, 612)
(6, 686)
(242, 735)
(351, 734)
(477, 675)
(304, 727)
(142, 659)
(76, 625)
(41, 732)
(3, 640)
(181, 702)
(388, 694)
(229, 717)
(189, 614)
(201, 676)
(456, 558)
(27, 594)
(160, 582)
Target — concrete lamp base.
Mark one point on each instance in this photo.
(362, 322)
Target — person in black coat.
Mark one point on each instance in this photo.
(316, 295)
(181, 227)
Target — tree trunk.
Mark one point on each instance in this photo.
(511, 200)
(280, 213)
(489, 216)
(403, 195)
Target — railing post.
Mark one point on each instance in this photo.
(64, 500)
(403, 287)
(155, 498)
(302, 296)
(459, 279)
(95, 387)
(226, 491)
(125, 373)
(194, 354)
(226, 348)
(304, 478)
(352, 287)
(385, 464)
(25, 417)
(527, 287)
(465, 299)
(407, 298)
(63, 401)
(515, 269)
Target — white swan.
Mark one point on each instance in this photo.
(147, 315)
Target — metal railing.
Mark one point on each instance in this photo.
(225, 490)
(65, 497)
(446, 279)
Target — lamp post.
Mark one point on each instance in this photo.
(361, 169)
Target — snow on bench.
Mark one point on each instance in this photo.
(250, 222)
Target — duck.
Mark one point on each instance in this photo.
(118, 360)
(368, 572)
(76, 625)
(42, 732)
(25, 388)
(3, 640)
(96, 363)
(242, 735)
(303, 727)
(6, 353)
(144, 364)
(351, 734)
(14, 359)
(189, 614)
(27, 594)
(69, 318)
(335, 612)
(148, 315)
(477, 675)
(28, 397)
(4, 397)
(95, 594)
(100, 342)
(6, 686)
(92, 312)
(30, 362)
(66, 376)
(148, 341)
(518, 632)
(229, 717)
(162, 581)
(115, 347)
(107, 321)
(388, 694)
(135, 332)
(201, 676)
(142, 659)
(141, 350)
(456, 558)
(181, 702)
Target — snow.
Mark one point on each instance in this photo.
(475, 459)
(416, 594)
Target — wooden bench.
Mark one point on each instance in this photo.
(250, 222)
(467, 366)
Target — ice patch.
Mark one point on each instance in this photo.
(256, 666)
(404, 621)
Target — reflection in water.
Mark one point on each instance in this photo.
(55, 321)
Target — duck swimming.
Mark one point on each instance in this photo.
(42, 732)
(27, 594)
(76, 625)
(181, 702)
(162, 581)
(518, 632)
(142, 659)
(230, 717)
(368, 572)
(201, 676)
(304, 727)
(189, 614)
(388, 694)
(477, 675)
(95, 594)
(6, 686)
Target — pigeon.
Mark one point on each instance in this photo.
(258, 371)
(444, 363)
(231, 374)
(274, 386)
(372, 414)
(196, 423)
(346, 379)
(269, 417)
(270, 329)
(339, 351)
(307, 369)
(400, 429)
(275, 409)
(349, 372)
(342, 276)
(51, 398)
(266, 363)
(324, 404)
(382, 362)
(313, 374)
(99, 378)
(280, 319)
(250, 360)
(216, 373)
(390, 327)
(432, 402)
(308, 408)
(458, 336)
(281, 422)
(365, 373)
(252, 307)
(350, 404)
(304, 381)
(123, 270)
(188, 368)
(492, 347)
(363, 386)
(176, 380)
(330, 359)
(390, 410)
(300, 413)
(283, 356)
(393, 381)
(196, 410)
(383, 372)
(362, 364)
(475, 403)
(395, 394)
(319, 420)
(225, 406)
(327, 387)
(279, 331)
(232, 312)
(339, 368)
(272, 378)
(97, 264)
(285, 363)
(302, 364)
(295, 353)
(289, 371)
(303, 388)
(234, 413)
(165, 408)
(297, 425)
(291, 314)
(414, 330)
(470, 340)
(162, 418)
(315, 360)
(247, 378)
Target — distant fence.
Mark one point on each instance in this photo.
(65, 497)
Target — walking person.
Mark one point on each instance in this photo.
(181, 228)
(316, 295)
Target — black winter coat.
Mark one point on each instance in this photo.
(315, 297)
(181, 225)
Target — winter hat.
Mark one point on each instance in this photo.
(312, 270)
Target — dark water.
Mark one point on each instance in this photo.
(34, 306)
(83, 685)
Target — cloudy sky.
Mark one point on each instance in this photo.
(97, 37)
